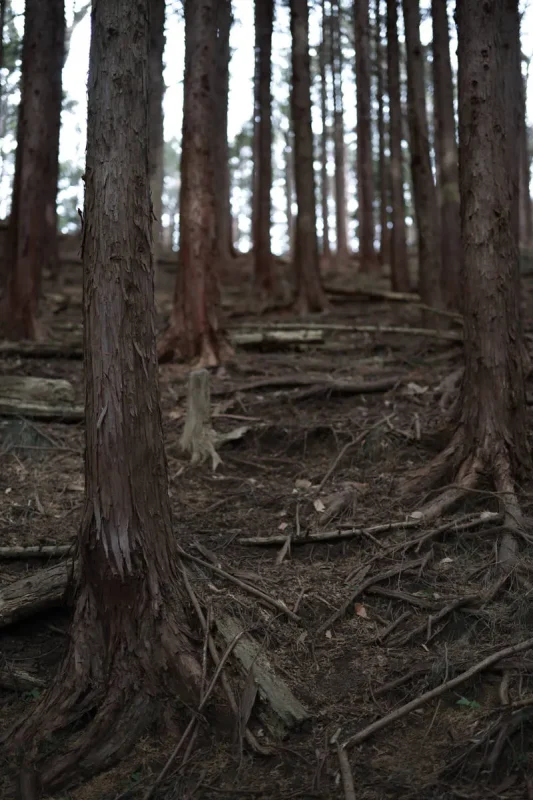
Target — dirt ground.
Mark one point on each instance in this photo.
(432, 604)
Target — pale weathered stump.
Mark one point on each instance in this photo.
(198, 437)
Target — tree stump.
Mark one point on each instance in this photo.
(198, 437)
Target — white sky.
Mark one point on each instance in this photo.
(72, 145)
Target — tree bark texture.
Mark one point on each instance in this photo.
(194, 331)
(224, 237)
(33, 220)
(129, 644)
(526, 207)
(446, 157)
(264, 278)
(324, 179)
(425, 195)
(309, 293)
(341, 233)
(156, 92)
(399, 264)
(383, 160)
(365, 167)
(289, 189)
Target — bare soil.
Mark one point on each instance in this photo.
(284, 478)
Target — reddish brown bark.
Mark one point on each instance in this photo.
(399, 266)
(425, 195)
(341, 234)
(264, 276)
(156, 92)
(365, 180)
(129, 645)
(383, 163)
(324, 180)
(220, 133)
(490, 438)
(194, 331)
(33, 227)
(446, 157)
(309, 293)
(289, 191)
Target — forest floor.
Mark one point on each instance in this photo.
(320, 462)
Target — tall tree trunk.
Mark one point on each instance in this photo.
(264, 277)
(383, 163)
(2, 21)
(129, 645)
(526, 207)
(399, 265)
(289, 190)
(220, 132)
(446, 157)
(425, 195)
(33, 221)
(490, 440)
(324, 180)
(194, 330)
(156, 141)
(338, 136)
(365, 167)
(309, 293)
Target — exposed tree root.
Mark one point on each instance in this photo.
(116, 684)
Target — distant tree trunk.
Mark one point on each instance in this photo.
(526, 208)
(365, 167)
(220, 133)
(130, 644)
(446, 157)
(289, 191)
(2, 21)
(324, 179)
(383, 164)
(490, 440)
(194, 331)
(264, 276)
(156, 91)
(425, 195)
(399, 265)
(33, 221)
(309, 293)
(338, 137)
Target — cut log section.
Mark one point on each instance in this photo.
(281, 711)
(36, 592)
(38, 398)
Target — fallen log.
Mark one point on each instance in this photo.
(38, 398)
(283, 710)
(408, 330)
(374, 294)
(36, 592)
(317, 384)
(18, 680)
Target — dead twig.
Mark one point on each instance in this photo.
(346, 773)
(359, 590)
(433, 618)
(381, 635)
(398, 713)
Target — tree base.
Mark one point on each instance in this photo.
(208, 350)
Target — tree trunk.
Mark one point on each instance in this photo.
(220, 132)
(309, 293)
(341, 234)
(264, 277)
(365, 169)
(526, 208)
(399, 265)
(490, 439)
(156, 91)
(2, 21)
(33, 221)
(446, 157)
(289, 191)
(383, 164)
(324, 180)
(194, 330)
(425, 195)
(130, 647)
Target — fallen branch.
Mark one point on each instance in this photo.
(316, 384)
(431, 333)
(337, 535)
(398, 713)
(288, 712)
(38, 551)
(19, 680)
(33, 593)
(300, 335)
(427, 625)
(359, 590)
(375, 294)
(346, 773)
